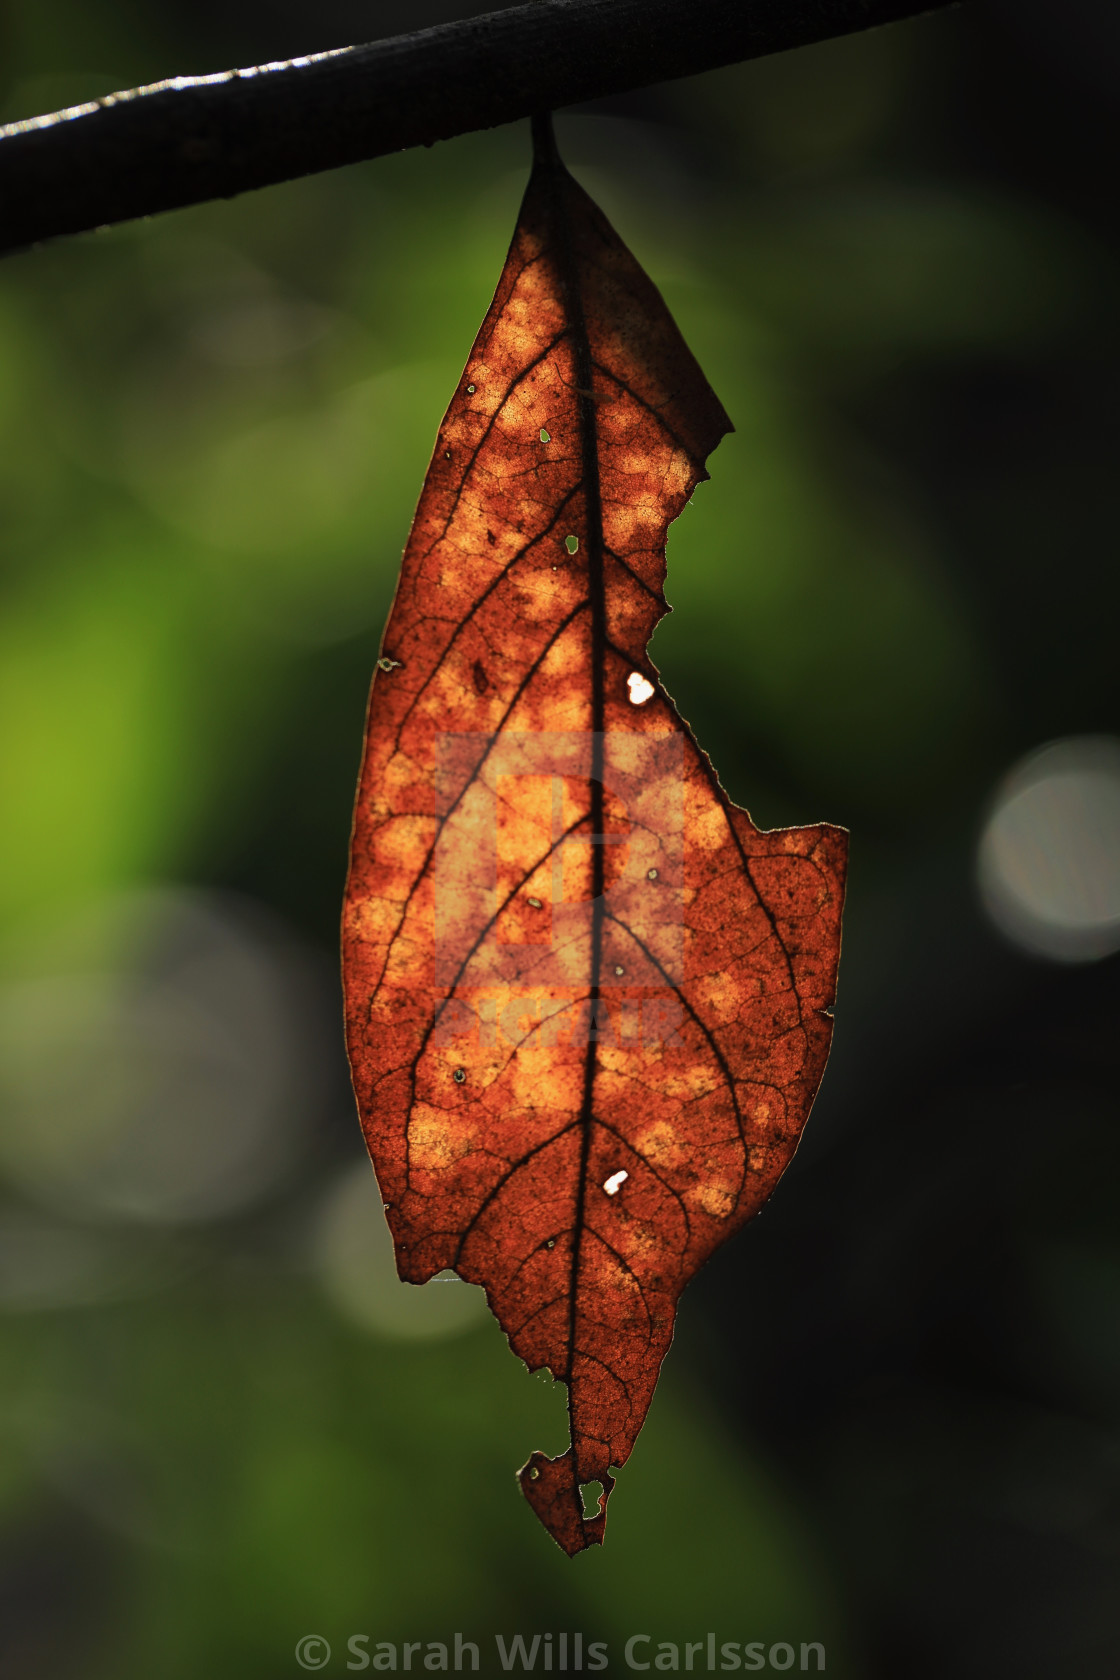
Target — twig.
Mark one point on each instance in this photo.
(201, 137)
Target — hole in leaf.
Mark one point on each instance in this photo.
(590, 1493)
(534, 1473)
(535, 903)
(641, 689)
(651, 874)
(460, 1076)
(470, 388)
(571, 543)
(546, 437)
(615, 1182)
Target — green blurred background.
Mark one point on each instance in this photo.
(889, 1421)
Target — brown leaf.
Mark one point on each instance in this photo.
(587, 1000)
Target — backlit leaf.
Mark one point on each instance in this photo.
(587, 1000)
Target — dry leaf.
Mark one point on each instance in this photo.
(587, 1000)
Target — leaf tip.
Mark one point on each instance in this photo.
(552, 1487)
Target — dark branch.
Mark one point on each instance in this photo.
(196, 138)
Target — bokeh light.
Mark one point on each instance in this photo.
(172, 1076)
(1049, 856)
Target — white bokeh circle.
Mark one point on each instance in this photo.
(1048, 862)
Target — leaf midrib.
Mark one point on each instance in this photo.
(554, 178)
